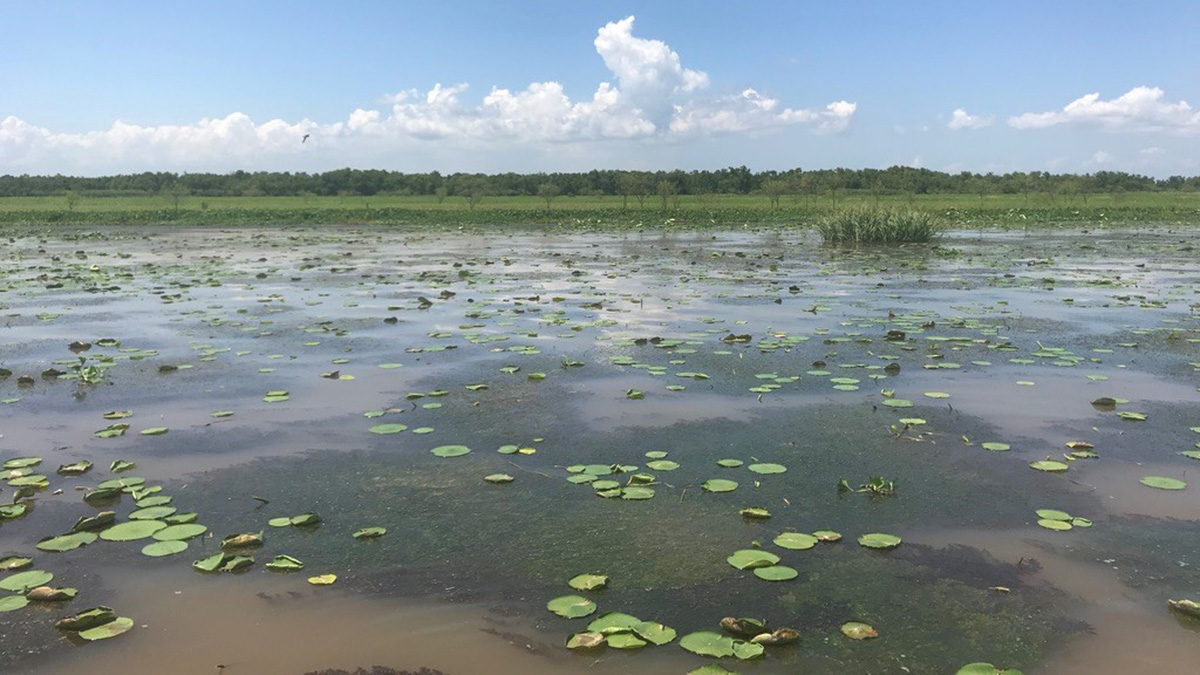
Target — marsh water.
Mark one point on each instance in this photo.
(591, 350)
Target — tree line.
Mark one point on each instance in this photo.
(627, 185)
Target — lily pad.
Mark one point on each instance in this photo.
(66, 542)
(707, 643)
(985, 669)
(751, 558)
(879, 540)
(450, 450)
(132, 530)
(654, 632)
(776, 573)
(719, 485)
(796, 541)
(181, 532)
(588, 582)
(384, 429)
(113, 628)
(1163, 483)
(766, 468)
(613, 622)
(571, 606)
(164, 548)
(13, 602)
(1049, 465)
(22, 582)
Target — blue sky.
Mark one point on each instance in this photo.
(127, 86)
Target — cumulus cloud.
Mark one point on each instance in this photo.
(961, 119)
(652, 97)
(1139, 109)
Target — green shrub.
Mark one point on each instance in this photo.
(875, 225)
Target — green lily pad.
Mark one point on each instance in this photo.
(13, 562)
(613, 622)
(153, 513)
(113, 628)
(1049, 465)
(159, 549)
(625, 641)
(370, 533)
(879, 540)
(708, 643)
(450, 450)
(719, 485)
(66, 542)
(1163, 483)
(796, 541)
(385, 429)
(995, 447)
(766, 469)
(132, 530)
(571, 606)
(13, 602)
(654, 632)
(588, 582)
(776, 573)
(181, 532)
(747, 650)
(751, 558)
(1057, 525)
(985, 669)
(21, 582)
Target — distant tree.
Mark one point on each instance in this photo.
(627, 186)
(73, 199)
(440, 193)
(548, 192)
(473, 189)
(979, 186)
(807, 186)
(643, 186)
(176, 195)
(666, 190)
(774, 189)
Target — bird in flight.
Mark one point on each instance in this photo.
(303, 140)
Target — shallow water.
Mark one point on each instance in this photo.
(1037, 326)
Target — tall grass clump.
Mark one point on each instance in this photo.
(877, 225)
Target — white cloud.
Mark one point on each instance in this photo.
(1099, 158)
(961, 119)
(1139, 109)
(653, 97)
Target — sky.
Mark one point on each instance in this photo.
(95, 88)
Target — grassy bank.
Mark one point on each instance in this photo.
(691, 211)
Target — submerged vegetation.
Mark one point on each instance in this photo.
(872, 225)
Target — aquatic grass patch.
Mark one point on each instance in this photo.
(875, 225)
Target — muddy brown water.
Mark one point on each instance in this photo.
(1022, 331)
